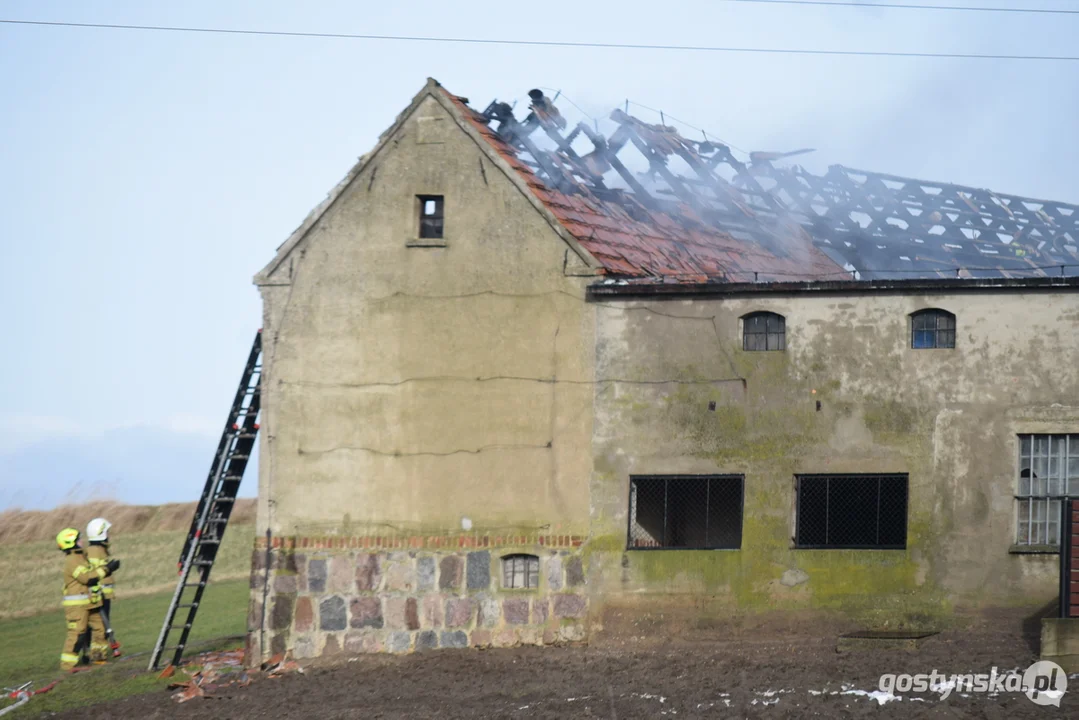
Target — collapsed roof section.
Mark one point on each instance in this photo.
(891, 227)
(698, 214)
(652, 226)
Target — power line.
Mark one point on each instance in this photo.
(567, 99)
(549, 43)
(897, 6)
(691, 127)
(650, 109)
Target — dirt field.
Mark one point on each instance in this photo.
(766, 678)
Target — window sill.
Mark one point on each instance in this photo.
(1034, 550)
(426, 242)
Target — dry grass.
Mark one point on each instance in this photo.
(25, 526)
(149, 559)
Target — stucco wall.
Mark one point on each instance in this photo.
(412, 391)
(948, 417)
(413, 386)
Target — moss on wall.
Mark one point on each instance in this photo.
(880, 588)
(946, 418)
(770, 433)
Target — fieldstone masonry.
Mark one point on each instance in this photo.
(316, 575)
(331, 613)
(354, 595)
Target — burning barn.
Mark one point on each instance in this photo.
(525, 382)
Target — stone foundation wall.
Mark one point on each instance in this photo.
(358, 595)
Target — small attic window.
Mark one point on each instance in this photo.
(431, 216)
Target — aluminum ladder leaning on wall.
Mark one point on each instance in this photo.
(215, 506)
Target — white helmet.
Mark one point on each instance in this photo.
(97, 530)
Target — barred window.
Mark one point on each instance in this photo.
(932, 329)
(685, 511)
(1048, 471)
(852, 511)
(520, 571)
(764, 331)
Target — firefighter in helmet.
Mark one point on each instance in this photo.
(82, 600)
(97, 552)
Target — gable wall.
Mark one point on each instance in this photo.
(428, 405)
(364, 308)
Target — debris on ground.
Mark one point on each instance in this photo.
(188, 690)
(281, 664)
(224, 658)
(209, 673)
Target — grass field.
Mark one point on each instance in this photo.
(32, 647)
(32, 623)
(33, 570)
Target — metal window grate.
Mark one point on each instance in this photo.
(689, 512)
(432, 213)
(932, 329)
(852, 511)
(520, 571)
(764, 331)
(1048, 472)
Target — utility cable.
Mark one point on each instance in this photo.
(561, 94)
(898, 6)
(551, 43)
(715, 137)
(665, 115)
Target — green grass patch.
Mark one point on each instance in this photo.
(149, 566)
(33, 646)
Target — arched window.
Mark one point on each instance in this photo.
(764, 331)
(932, 328)
(520, 571)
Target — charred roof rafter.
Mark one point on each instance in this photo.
(880, 225)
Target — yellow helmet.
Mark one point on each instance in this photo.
(67, 538)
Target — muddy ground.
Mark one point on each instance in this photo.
(771, 677)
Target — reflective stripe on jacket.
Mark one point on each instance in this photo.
(78, 576)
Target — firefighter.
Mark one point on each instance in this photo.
(82, 600)
(97, 552)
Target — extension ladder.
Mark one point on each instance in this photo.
(215, 506)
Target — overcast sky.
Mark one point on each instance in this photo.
(146, 176)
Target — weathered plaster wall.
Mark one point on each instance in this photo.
(949, 418)
(411, 390)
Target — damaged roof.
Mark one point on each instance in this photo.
(698, 214)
